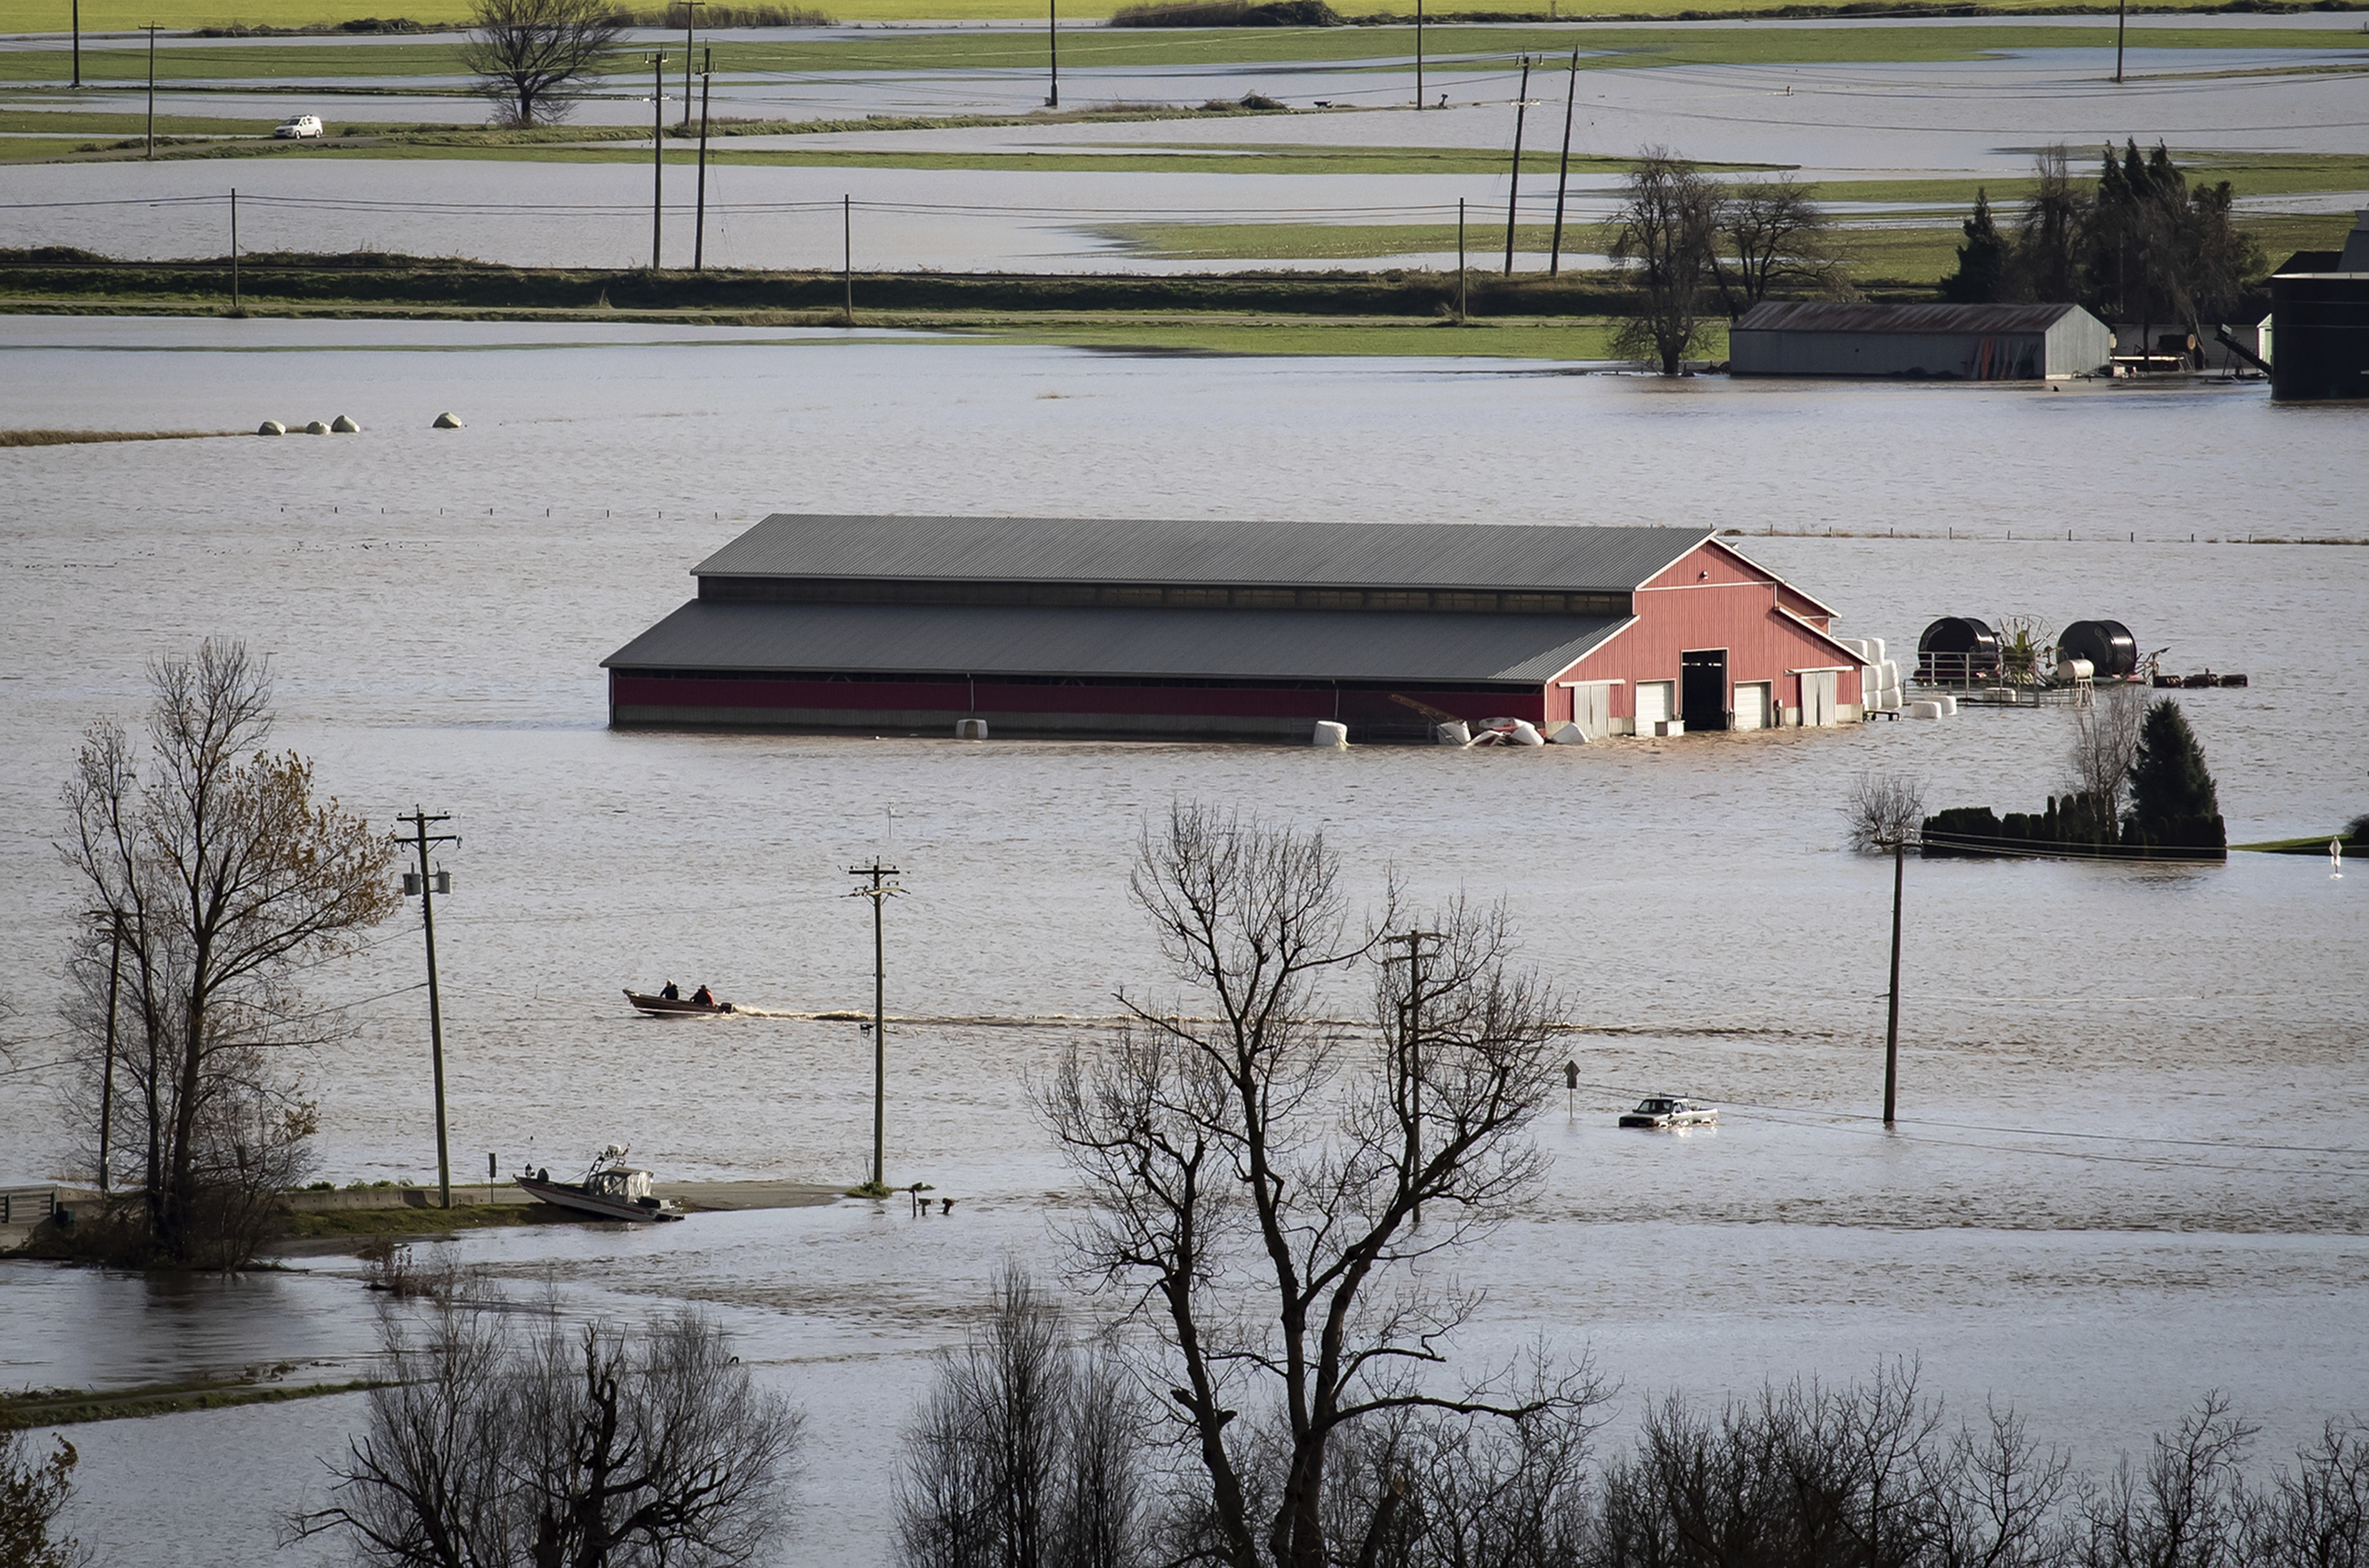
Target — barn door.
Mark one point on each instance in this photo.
(1818, 688)
(1652, 704)
(1591, 708)
(1752, 705)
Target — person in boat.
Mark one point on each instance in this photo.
(704, 997)
(668, 993)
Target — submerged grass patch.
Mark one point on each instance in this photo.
(64, 1407)
(1515, 339)
(87, 438)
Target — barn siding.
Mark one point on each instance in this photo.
(1712, 598)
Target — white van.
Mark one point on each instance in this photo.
(298, 125)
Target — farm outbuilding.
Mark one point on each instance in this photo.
(1921, 342)
(1058, 627)
(2319, 323)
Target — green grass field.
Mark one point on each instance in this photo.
(1457, 49)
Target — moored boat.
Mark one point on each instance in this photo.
(609, 1190)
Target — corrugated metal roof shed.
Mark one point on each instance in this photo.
(1812, 316)
(1292, 645)
(1342, 554)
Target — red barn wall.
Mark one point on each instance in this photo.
(1713, 599)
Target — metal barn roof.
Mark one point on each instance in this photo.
(1290, 644)
(1342, 554)
(1811, 315)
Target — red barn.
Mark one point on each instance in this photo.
(1231, 630)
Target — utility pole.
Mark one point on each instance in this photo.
(658, 149)
(1418, 55)
(233, 248)
(106, 1071)
(1514, 180)
(77, 42)
(1410, 1062)
(1563, 174)
(2121, 19)
(151, 89)
(1459, 261)
(1892, 1024)
(688, 8)
(880, 892)
(428, 885)
(847, 256)
(1053, 52)
(699, 224)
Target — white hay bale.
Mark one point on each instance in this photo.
(1924, 710)
(272, 427)
(343, 425)
(1330, 736)
(447, 420)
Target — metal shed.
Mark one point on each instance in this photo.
(1921, 342)
(2319, 323)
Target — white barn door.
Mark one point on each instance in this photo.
(1652, 704)
(1818, 687)
(1751, 706)
(1591, 708)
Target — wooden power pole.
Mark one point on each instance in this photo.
(1562, 173)
(1892, 1023)
(1514, 179)
(880, 892)
(1410, 1062)
(427, 884)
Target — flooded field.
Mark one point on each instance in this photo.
(2131, 1163)
(1981, 117)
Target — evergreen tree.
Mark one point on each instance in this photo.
(1986, 272)
(2173, 802)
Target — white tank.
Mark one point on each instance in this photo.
(2071, 670)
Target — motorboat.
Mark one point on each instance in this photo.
(610, 1190)
(674, 1004)
(1665, 1111)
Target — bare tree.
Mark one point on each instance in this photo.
(1777, 239)
(2106, 745)
(33, 1492)
(216, 879)
(532, 57)
(2181, 1510)
(2316, 1516)
(595, 1446)
(1666, 228)
(1998, 1494)
(1883, 809)
(1255, 1183)
(1028, 1453)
